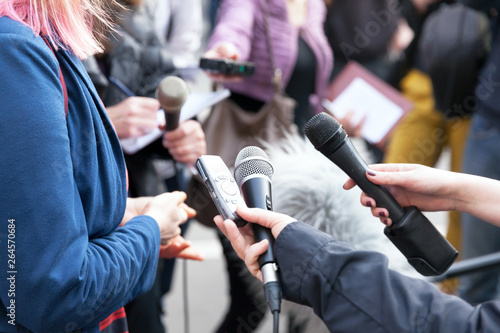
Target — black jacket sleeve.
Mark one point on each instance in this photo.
(354, 291)
(485, 6)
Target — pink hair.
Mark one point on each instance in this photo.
(67, 23)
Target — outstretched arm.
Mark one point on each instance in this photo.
(433, 189)
(353, 291)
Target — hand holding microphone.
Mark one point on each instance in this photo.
(427, 188)
(253, 172)
(411, 232)
(186, 140)
(172, 93)
(242, 238)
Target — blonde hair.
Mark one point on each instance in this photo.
(67, 23)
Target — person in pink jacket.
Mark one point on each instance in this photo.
(301, 52)
(299, 45)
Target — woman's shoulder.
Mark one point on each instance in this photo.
(18, 39)
(9, 26)
(19, 42)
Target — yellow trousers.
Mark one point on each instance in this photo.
(424, 132)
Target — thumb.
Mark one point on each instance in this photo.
(269, 219)
(190, 211)
(177, 196)
(227, 50)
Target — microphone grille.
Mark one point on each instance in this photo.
(172, 93)
(252, 160)
(322, 128)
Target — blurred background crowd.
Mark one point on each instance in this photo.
(442, 56)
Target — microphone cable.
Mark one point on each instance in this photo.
(276, 322)
(185, 294)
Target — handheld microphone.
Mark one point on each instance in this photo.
(172, 93)
(253, 172)
(411, 232)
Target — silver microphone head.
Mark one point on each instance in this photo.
(252, 161)
(172, 93)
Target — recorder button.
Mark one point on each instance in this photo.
(229, 187)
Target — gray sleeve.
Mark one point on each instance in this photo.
(354, 291)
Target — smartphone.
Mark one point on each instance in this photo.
(227, 66)
(222, 187)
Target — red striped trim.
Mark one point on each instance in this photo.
(118, 314)
(65, 91)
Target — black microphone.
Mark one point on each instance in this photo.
(172, 93)
(411, 232)
(253, 172)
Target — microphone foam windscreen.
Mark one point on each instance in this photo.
(172, 93)
(324, 128)
(252, 160)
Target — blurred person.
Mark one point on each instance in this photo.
(430, 127)
(179, 24)
(300, 46)
(481, 158)
(136, 57)
(64, 186)
(355, 291)
(151, 42)
(373, 33)
(301, 52)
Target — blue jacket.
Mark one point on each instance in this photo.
(355, 292)
(64, 263)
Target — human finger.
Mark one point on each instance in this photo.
(252, 257)
(191, 212)
(187, 154)
(347, 123)
(179, 247)
(222, 50)
(358, 128)
(167, 234)
(190, 253)
(225, 78)
(219, 222)
(379, 212)
(178, 196)
(183, 130)
(173, 247)
(239, 242)
(272, 220)
(350, 183)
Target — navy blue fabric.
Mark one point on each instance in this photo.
(489, 79)
(63, 183)
(354, 291)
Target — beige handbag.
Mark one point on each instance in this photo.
(228, 129)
